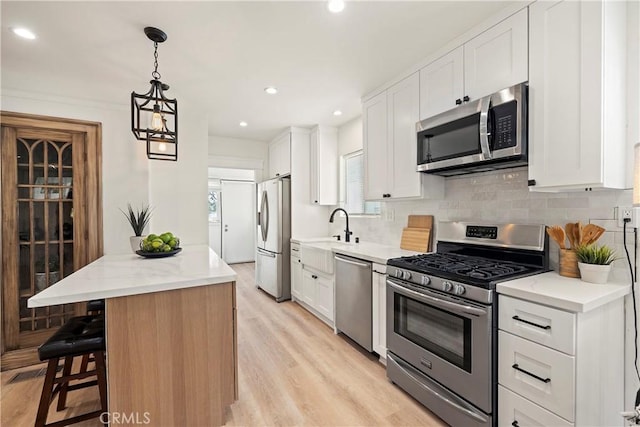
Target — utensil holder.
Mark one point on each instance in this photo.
(568, 263)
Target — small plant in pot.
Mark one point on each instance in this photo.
(41, 272)
(594, 262)
(138, 220)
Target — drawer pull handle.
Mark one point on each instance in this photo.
(547, 327)
(518, 368)
(515, 424)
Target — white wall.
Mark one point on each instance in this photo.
(127, 175)
(350, 136)
(222, 147)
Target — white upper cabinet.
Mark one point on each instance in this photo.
(324, 165)
(390, 145)
(497, 58)
(280, 156)
(577, 98)
(493, 60)
(441, 83)
(374, 121)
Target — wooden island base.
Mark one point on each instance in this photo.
(172, 356)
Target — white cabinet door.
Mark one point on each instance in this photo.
(308, 287)
(280, 156)
(379, 310)
(296, 277)
(441, 83)
(514, 410)
(324, 296)
(324, 166)
(576, 95)
(376, 151)
(497, 58)
(403, 111)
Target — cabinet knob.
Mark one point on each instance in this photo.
(313, 276)
(466, 98)
(315, 201)
(458, 101)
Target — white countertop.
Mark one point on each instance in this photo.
(563, 292)
(129, 274)
(374, 252)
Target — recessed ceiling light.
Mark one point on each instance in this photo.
(335, 6)
(271, 90)
(337, 113)
(244, 124)
(25, 33)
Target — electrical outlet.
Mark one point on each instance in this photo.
(628, 212)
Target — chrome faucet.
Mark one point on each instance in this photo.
(347, 233)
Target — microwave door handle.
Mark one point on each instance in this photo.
(485, 104)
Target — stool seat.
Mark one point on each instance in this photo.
(80, 335)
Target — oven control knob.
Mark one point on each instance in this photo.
(398, 274)
(425, 280)
(446, 286)
(406, 275)
(458, 289)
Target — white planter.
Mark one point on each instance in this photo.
(594, 273)
(135, 242)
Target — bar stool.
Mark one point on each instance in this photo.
(95, 306)
(80, 336)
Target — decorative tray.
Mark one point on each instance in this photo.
(158, 254)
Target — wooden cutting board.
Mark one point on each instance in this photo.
(420, 221)
(415, 239)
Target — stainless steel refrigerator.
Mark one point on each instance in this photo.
(274, 234)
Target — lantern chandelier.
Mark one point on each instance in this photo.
(154, 117)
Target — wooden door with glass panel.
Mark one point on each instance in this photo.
(44, 230)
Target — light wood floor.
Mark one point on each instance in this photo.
(293, 370)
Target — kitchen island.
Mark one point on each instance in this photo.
(170, 332)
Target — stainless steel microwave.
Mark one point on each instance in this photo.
(485, 134)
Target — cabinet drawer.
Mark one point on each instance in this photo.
(545, 325)
(295, 250)
(540, 374)
(516, 410)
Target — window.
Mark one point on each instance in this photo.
(214, 201)
(352, 186)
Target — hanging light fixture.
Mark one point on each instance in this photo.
(154, 118)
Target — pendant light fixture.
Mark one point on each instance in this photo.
(154, 118)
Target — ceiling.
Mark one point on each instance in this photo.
(221, 55)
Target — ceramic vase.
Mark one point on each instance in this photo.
(135, 242)
(594, 273)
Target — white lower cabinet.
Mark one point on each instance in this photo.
(296, 272)
(379, 327)
(317, 293)
(558, 367)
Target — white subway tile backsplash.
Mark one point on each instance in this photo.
(502, 196)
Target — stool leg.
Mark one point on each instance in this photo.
(85, 363)
(47, 390)
(66, 371)
(101, 373)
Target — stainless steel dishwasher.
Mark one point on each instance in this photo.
(354, 299)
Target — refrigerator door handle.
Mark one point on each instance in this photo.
(265, 253)
(261, 221)
(265, 211)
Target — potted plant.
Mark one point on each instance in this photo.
(138, 220)
(41, 272)
(594, 262)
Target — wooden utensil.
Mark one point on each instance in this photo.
(591, 233)
(578, 232)
(569, 231)
(557, 233)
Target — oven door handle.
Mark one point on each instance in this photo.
(427, 299)
(485, 103)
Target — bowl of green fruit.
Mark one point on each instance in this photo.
(159, 245)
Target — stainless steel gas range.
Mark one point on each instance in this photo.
(442, 315)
